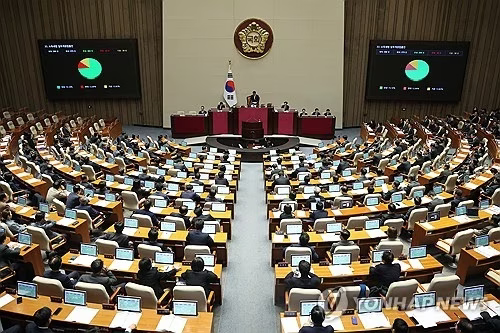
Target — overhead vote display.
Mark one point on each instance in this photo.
(416, 70)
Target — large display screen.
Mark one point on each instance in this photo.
(90, 68)
(416, 70)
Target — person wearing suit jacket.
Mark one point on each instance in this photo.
(189, 193)
(220, 180)
(405, 166)
(304, 242)
(445, 173)
(117, 236)
(388, 194)
(153, 240)
(457, 198)
(145, 211)
(281, 179)
(197, 237)
(41, 321)
(68, 281)
(212, 196)
(100, 275)
(73, 199)
(319, 213)
(303, 278)
(434, 202)
(84, 205)
(183, 210)
(150, 277)
(7, 255)
(385, 273)
(317, 317)
(342, 166)
(198, 276)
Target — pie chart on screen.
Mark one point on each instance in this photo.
(417, 70)
(89, 68)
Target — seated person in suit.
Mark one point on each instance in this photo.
(281, 179)
(302, 278)
(419, 160)
(150, 277)
(287, 212)
(117, 236)
(434, 202)
(392, 235)
(189, 193)
(490, 189)
(404, 166)
(384, 274)
(197, 237)
(85, 182)
(198, 276)
(57, 191)
(342, 166)
(145, 211)
(73, 199)
(142, 194)
(494, 222)
(84, 205)
(418, 204)
(302, 168)
(400, 326)
(159, 192)
(220, 180)
(317, 319)
(306, 181)
(344, 190)
(196, 179)
(199, 214)
(316, 112)
(100, 275)
(395, 188)
(68, 281)
(363, 175)
(179, 165)
(202, 110)
(47, 226)
(464, 325)
(327, 113)
(41, 321)
(101, 188)
(317, 197)
(183, 210)
(285, 106)
(13, 225)
(445, 173)
(153, 240)
(344, 240)
(211, 197)
(220, 106)
(304, 242)
(319, 213)
(457, 198)
(303, 112)
(412, 182)
(144, 175)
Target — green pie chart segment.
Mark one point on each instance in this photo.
(417, 70)
(89, 68)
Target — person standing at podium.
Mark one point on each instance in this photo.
(253, 100)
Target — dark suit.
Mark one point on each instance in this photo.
(316, 329)
(221, 181)
(154, 219)
(314, 198)
(161, 194)
(286, 216)
(72, 201)
(436, 201)
(387, 216)
(152, 279)
(444, 175)
(342, 166)
(341, 243)
(121, 239)
(7, 255)
(318, 214)
(63, 278)
(410, 186)
(32, 328)
(385, 274)
(106, 279)
(387, 196)
(310, 282)
(454, 203)
(191, 195)
(196, 237)
(404, 167)
(202, 279)
(281, 181)
(186, 219)
(92, 212)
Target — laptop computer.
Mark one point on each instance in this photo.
(307, 306)
(128, 303)
(369, 305)
(372, 224)
(475, 293)
(417, 252)
(124, 254)
(334, 227)
(167, 226)
(165, 258)
(341, 258)
(185, 308)
(27, 289)
(75, 297)
(424, 300)
(373, 201)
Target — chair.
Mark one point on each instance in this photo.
(493, 276)
(495, 198)
(96, 293)
(8, 190)
(294, 204)
(444, 286)
(396, 223)
(466, 203)
(450, 183)
(346, 297)
(352, 249)
(60, 206)
(180, 201)
(179, 222)
(47, 122)
(443, 209)
(106, 246)
(494, 234)
(303, 251)
(396, 247)
(33, 130)
(147, 295)
(356, 158)
(10, 125)
(39, 127)
(7, 230)
(338, 200)
(296, 295)
(356, 222)
(413, 171)
(147, 251)
(416, 188)
(79, 120)
(417, 215)
(152, 169)
(401, 292)
(38, 236)
(102, 123)
(195, 293)
(191, 250)
(452, 246)
(89, 171)
(320, 224)
(285, 222)
(374, 195)
(144, 220)
(49, 287)
(130, 200)
(55, 119)
(383, 163)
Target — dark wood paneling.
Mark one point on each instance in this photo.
(477, 21)
(23, 22)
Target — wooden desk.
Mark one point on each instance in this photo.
(113, 207)
(472, 263)
(480, 181)
(33, 255)
(28, 180)
(148, 322)
(105, 166)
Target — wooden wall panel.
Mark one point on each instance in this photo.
(477, 21)
(23, 22)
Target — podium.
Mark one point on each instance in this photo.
(252, 130)
(264, 115)
(285, 122)
(220, 121)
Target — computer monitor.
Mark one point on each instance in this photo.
(437, 189)
(75, 297)
(475, 293)
(70, 214)
(21, 201)
(369, 304)
(218, 207)
(372, 224)
(482, 240)
(69, 188)
(342, 150)
(397, 197)
(466, 178)
(88, 193)
(209, 228)
(317, 165)
(312, 156)
(424, 300)
(294, 229)
(193, 155)
(88, 250)
(167, 226)
(208, 259)
(131, 222)
(325, 175)
(373, 201)
(379, 182)
(110, 178)
(308, 189)
(433, 216)
(294, 158)
(462, 210)
(191, 205)
(307, 306)
(418, 193)
(213, 150)
(24, 238)
(185, 308)
(394, 162)
(163, 148)
(169, 162)
(398, 179)
(321, 144)
(472, 212)
(297, 258)
(173, 187)
(417, 252)
(128, 181)
(365, 156)
(232, 151)
(427, 170)
(208, 166)
(124, 254)
(160, 203)
(43, 207)
(128, 303)
(377, 255)
(161, 172)
(484, 204)
(334, 188)
(346, 173)
(26, 289)
(77, 168)
(198, 188)
(182, 174)
(188, 164)
(222, 189)
(357, 186)
(149, 184)
(302, 176)
(166, 258)
(341, 258)
(336, 163)
(313, 205)
(140, 154)
(110, 197)
(346, 204)
(334, 227)
(228, 177)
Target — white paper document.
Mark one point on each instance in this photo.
(429, 317)
(462, 219)
(103, 203)
(493, 306)
(165, 235)
(473, 310)
(404, 266)
(82, 315)
(65, 221)
(339, 270)
(487, 251)
(23, 174)
(32, 180)
(415, 264)
(24, 210)
(6, 299)
(278, 196)
(337, 212)
(123, 186)
(84, 260)
(278, 238)
(294, 238)
(120, 265)
(374, 320)
(335, 322)
(330, 237)
(129, 231)
(124, 319)
(289, 325)
(372, 208)
(483, 178)
(171, 323)
(156, 210)
(376, 233)
(384, 188)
